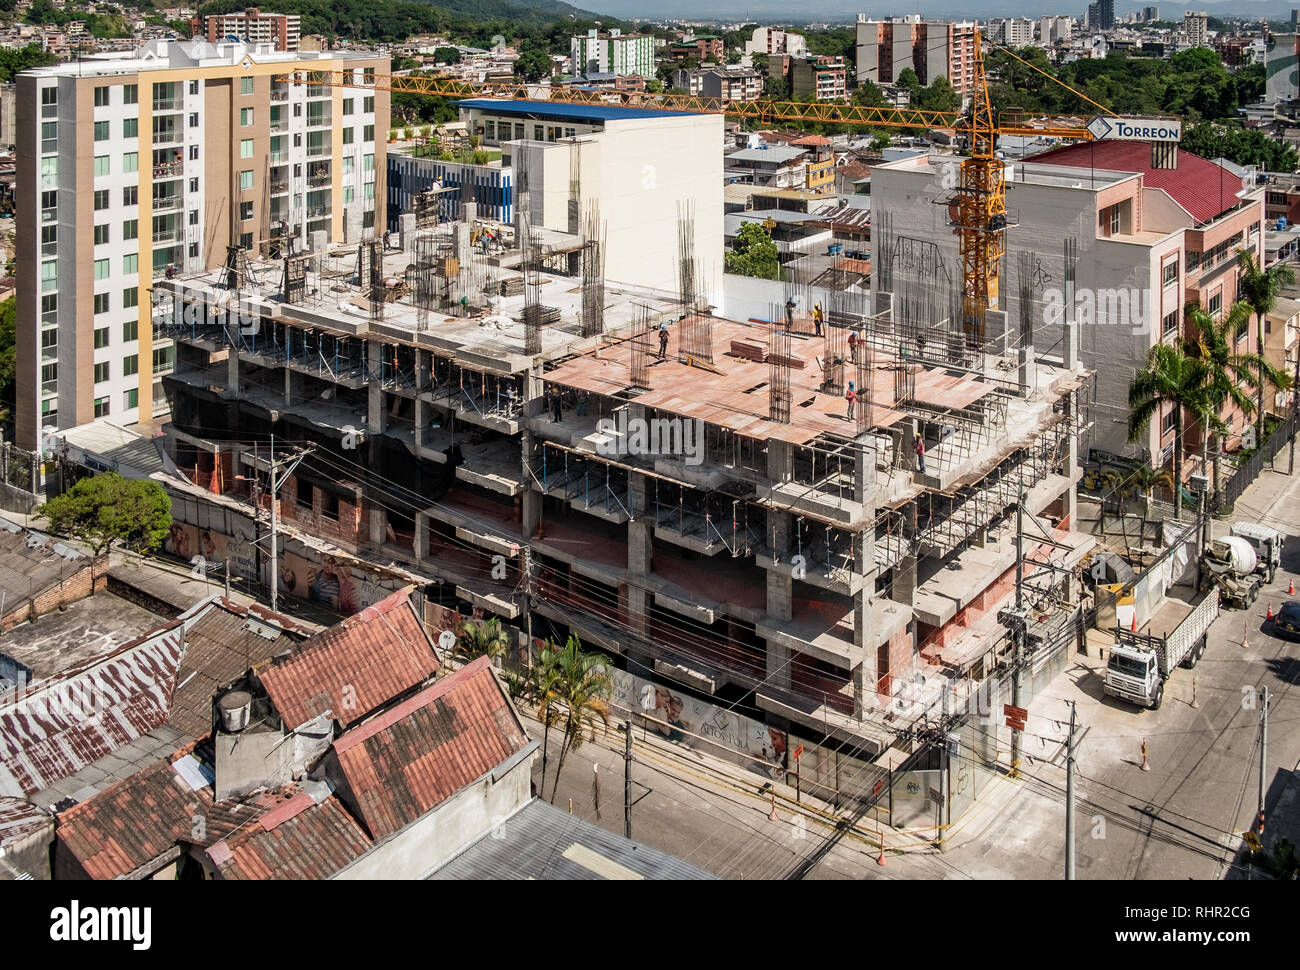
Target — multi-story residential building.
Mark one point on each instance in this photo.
(824, 78)
(773, 167)
(253, 27)
(819, 165)
(612, 53)
(1012, 31)
(735, 84)
(1054, 30)
(1101, 15)
(1196, 26)
(1150, 239)
(769, 40)
(1150, 14)
(706, 48)
(931, 48)
(153, 163)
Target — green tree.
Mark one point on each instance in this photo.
(1260, 288)
(446, 55)
(482, 638)
(533, 65)
(1170, 379)
(8, 358)
(580, 689)
(869, 94)
(1244, 146)
(754, 253)
(939, 96)
(908, 80)
(107, 509)
(1228, 373)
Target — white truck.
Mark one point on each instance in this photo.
(1267, 543)
(1141, 662)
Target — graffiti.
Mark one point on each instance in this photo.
(920, 256)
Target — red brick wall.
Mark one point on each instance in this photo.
(74, 587)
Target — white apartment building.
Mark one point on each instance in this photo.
(612, 53)
(1013, 31)
(254, 27)
(770, 40)
(1196, 26)
(133, 166)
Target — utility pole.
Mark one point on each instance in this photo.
(1295, 412)
(627, 779)
(1263, 753)
(1069, 800)
(290, 463)
(526, 553)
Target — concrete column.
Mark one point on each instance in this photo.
(421, 420)
(1070, 331)
(378, 525)
(376, 417)
(780, 461)
(406, 231)
(780, 595)
(532, 511)
(638, 617)
(232, 362)
(778, 665)
(1027, 372)
(864, 672)
(534, 403)
(640, 546)
(905, 581)
(421, 536)
(1071, 498)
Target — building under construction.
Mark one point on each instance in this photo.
(695, 495)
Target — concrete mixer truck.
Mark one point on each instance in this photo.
(1229, 563)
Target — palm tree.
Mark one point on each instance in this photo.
(1171, 379)
(1228, 372)
(479, 638)
(1146, 480)
(545, 683)
(1260, 288)
(582, 690)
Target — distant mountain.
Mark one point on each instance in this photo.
(367, 17)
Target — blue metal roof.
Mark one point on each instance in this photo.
(568, 112)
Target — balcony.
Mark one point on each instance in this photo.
(169, 236)
(168, 136)
(279, 94)
(319, 180)
(315, 151)
(319, 120)
(279, 127)
(169, 170)
(168, 104)
(279, 158)
(279, 186)
(163, 203)
(318, 211)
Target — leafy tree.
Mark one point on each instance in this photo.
(482, 638)
(533, 65)
(1170, 379)
(939, 96)
(13, 60)
(1244, 146)
(580, 692)
(1260, 288)
(446, 55)
(8, 358)
(107, 509)
(1228, 372)
(754, 253)
(908, 80)
(870, 95)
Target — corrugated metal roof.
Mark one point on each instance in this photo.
(775, 154)
(354, 667)
(55, 727)
(31, 562)
(1202, 188)
(19, 817)
(419, 753)
(538, 841)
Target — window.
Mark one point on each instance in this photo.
(101, 131)
(101, 97)
(194, 217)
(348, 104)
(130, 162)
(130, 330)
(130, 365)
(329, 505)
(101, 235)
(1216, 304)
(49, 240)
(130, 262)
(1170, 273)
(101, 165)
(245, 85)
(101, 269)
(50, 309)
(490, 130)
(245, 117)
(349, 193)
(368, 163)
(49, 102)
(101, 306)
(130, 127)
(130, 229)
(246, 179)
(101, 334)
(194, 185)
(163, 357)
(130, 94)
(101, 372)
(131, 399)
(50, 202)
(131, 195)
(194, 250)
(50, 377)
(245, 211)
(101, 407)
(50, 343)
(246, 240)
(49, 136)
(246, 148)
(368, 133)
(194, 87)
(194, 119)
(368, 104)
(347, 136)
(538, 133)
(1170, 323)
(194, 153)
(49, 275)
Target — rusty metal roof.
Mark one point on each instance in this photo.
(419, 753)
(354, 667)
(52, 728)
(303, 840)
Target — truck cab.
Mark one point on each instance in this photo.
(1266, 542)
(1133, 673)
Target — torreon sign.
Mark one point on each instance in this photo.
(1136, 129)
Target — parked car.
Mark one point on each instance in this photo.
(1286, 622)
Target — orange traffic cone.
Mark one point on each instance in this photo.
(1145, 765)
(1270, 612)
(1290, 589)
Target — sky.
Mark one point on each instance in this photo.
(843, 10)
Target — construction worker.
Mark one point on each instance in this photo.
(920, 454)
(789, 314)
(663, 340)
(557, 406)
(817, 318)
(851, 396)
(853, 346)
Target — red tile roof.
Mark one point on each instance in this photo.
(140, 818)
(1204, 189)
(314, 842)
(419, 753)
(816, 141)
(55, 727)
(355, 667)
